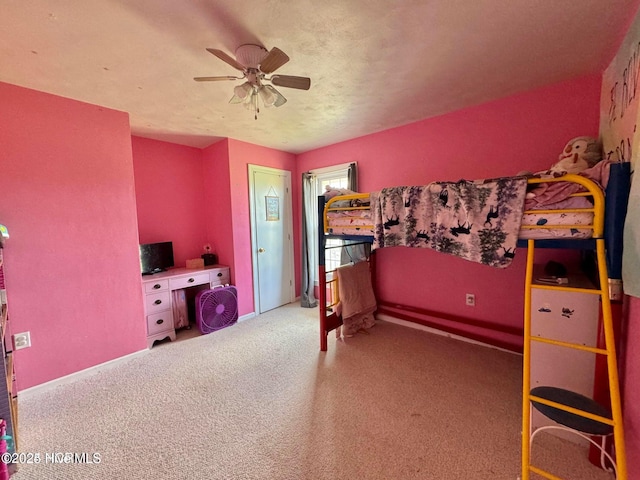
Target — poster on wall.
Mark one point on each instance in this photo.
(272, 203)
(620, 139)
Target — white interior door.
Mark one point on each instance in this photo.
(272, 237)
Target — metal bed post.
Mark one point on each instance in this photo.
(322, 276)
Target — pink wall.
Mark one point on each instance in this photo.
(217, 192)
(631, 386)
(72, 269)
(241, 155)
(169, 196)
(193, 197)
(67, 193)
(522, 132)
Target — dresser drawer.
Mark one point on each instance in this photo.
(156, 286)
(190, 281)
(159, 322)
(156, 302)
(219, 276)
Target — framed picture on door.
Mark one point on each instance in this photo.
(272, 203)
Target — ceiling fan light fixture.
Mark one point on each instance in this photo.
(255, 63)
(250, 55)
(279, 100)
(250, 101)
(267, 96)
(241, 91)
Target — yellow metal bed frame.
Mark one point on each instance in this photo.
(593, 191)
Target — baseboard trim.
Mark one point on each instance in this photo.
(72, 377)
(246, 316)
(417, 326)
(254, 314)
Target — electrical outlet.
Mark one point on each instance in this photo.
(471, 300)
(21, 340)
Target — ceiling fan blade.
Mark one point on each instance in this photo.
(226, 58)
(215, 79)
(273, 61)
(280, 100)
(289, 81)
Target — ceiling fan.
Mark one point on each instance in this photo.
(256, 62)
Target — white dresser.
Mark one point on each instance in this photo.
(157, 291)
(569, 317)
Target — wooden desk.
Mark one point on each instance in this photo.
(158, 298)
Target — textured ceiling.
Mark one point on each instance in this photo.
(374, 64)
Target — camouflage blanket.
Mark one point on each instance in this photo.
(476, 220)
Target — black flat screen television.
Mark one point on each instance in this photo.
(155, 257)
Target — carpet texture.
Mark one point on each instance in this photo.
(258, 400)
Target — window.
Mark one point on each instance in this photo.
(335, 180)
(336, 177)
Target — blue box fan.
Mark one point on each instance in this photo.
(216, 308)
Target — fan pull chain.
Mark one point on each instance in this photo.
(257, 109)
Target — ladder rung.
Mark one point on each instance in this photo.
(575, 346)
(543, 473)
(575, 411)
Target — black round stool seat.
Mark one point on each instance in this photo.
(571, 420)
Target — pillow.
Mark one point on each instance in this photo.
(331, 192)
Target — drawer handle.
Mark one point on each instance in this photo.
(157, 286)
(157, 302)
(160, 321)
(191, 280)
(220, 274)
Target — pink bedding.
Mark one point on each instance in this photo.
(546, 195)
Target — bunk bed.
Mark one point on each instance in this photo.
(558, 212)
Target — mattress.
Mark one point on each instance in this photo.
(350, 222)
(561, 225)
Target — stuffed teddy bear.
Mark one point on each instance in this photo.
(578, 155)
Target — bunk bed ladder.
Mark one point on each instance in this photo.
(572, 411)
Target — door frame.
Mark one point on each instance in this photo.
(288, 223)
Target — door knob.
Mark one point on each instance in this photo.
(261, 250)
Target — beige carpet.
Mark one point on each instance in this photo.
(260, 401)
